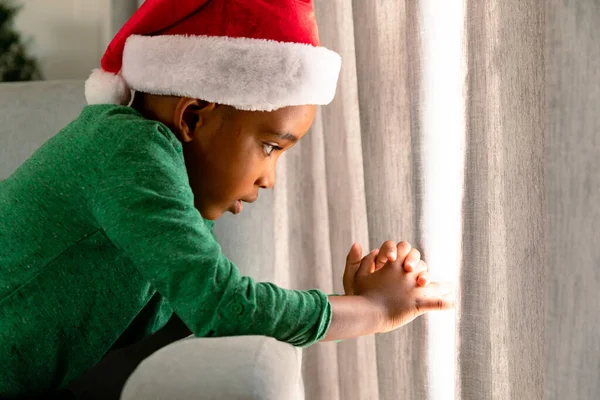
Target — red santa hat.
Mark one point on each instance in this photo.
(252, 55)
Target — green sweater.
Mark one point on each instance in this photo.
(98, 225)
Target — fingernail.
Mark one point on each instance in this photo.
(392, 256)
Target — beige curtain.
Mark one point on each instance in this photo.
(470, 129)
(501, 324)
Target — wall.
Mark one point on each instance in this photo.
(69, 36)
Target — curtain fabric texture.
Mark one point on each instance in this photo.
(471, 130)
(500, 332)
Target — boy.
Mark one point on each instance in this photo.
(114, 215)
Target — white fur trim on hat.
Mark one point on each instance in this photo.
(248, 74)
(106, 88)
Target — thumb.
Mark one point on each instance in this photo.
(352, 265)
(355, 254)
(445, 302)
(437, 296)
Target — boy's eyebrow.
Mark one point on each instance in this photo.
(284, 136)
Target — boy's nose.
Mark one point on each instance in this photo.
(267, 180)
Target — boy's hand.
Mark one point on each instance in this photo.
(394, 292)
(387, 252)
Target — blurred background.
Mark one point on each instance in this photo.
(58, 39)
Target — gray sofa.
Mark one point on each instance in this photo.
(33, 112)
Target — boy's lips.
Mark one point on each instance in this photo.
(238, 205)
(250, 200)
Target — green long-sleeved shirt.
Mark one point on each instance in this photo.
(99, 224)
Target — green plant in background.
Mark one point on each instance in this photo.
(15, 63)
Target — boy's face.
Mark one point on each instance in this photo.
(231, 154)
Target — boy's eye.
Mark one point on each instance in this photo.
(270, 148)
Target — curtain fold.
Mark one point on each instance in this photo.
(501, 315)
(340, 126)
(387, 32)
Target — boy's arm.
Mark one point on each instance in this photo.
(146, 208)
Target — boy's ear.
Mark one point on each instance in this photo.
(189, 116)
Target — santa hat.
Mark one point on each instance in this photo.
(252, 55)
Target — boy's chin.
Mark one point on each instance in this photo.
(210, 213)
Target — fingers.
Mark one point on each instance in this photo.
(367, 265)
(412, 260)
(423, 276)
(423, 279)
(402, 250)
(352, 265)
(387, 252)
